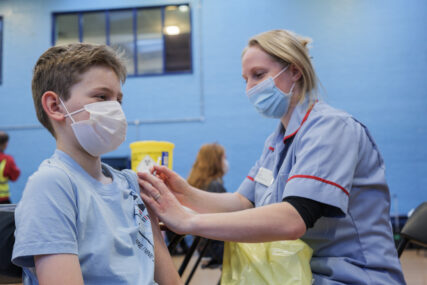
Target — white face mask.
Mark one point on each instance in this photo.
(104, 131)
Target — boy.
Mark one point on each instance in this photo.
(80, 221)
(8, 169)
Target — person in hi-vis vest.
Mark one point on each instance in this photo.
(8, 170)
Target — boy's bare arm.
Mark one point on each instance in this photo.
(53, 269)
(165, 272)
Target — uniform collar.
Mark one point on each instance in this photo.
(298, 117)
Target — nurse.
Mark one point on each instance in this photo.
(320, 177)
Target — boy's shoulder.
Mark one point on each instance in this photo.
(51, 167)
(127, 174)
(50, 174)
(60, 173)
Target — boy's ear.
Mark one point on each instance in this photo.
(52, 106)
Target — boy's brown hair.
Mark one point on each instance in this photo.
(60, 67)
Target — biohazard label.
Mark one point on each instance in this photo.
(146, 164)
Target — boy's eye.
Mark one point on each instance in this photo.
(101, 96)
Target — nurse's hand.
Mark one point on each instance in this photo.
(178, 185)
(163, 203)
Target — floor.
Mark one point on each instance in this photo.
(414, 266)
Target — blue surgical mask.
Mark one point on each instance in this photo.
(268, 99)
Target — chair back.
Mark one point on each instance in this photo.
(415, 229)
(9, 273)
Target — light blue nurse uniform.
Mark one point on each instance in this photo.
(328, 156)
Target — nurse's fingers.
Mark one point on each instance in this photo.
(159, 174)
(149, 190)
(150, 203)
(156, 183)
(163, 169)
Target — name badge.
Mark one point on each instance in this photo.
(264, 176)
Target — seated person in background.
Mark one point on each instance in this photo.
(8, 169)
(207, 172)
(81, 221)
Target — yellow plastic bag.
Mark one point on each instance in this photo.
(279, 262)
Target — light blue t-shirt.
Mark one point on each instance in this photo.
(328, 156)
(65, 210)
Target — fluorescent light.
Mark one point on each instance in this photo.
(183, 8)
(172, 30)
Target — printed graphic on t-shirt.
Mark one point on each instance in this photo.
(144, 238)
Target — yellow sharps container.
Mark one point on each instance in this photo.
(145, 154)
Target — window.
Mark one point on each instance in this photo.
(1, 48)
(154, 40)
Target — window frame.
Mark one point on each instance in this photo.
(135, 44)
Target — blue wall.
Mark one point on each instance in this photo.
(371, 57)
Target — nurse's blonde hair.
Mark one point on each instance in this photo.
(286, 48)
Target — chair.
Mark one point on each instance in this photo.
(196, 241)
(9, 273)
(415, 229)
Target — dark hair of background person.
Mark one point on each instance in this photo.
(4, 138)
